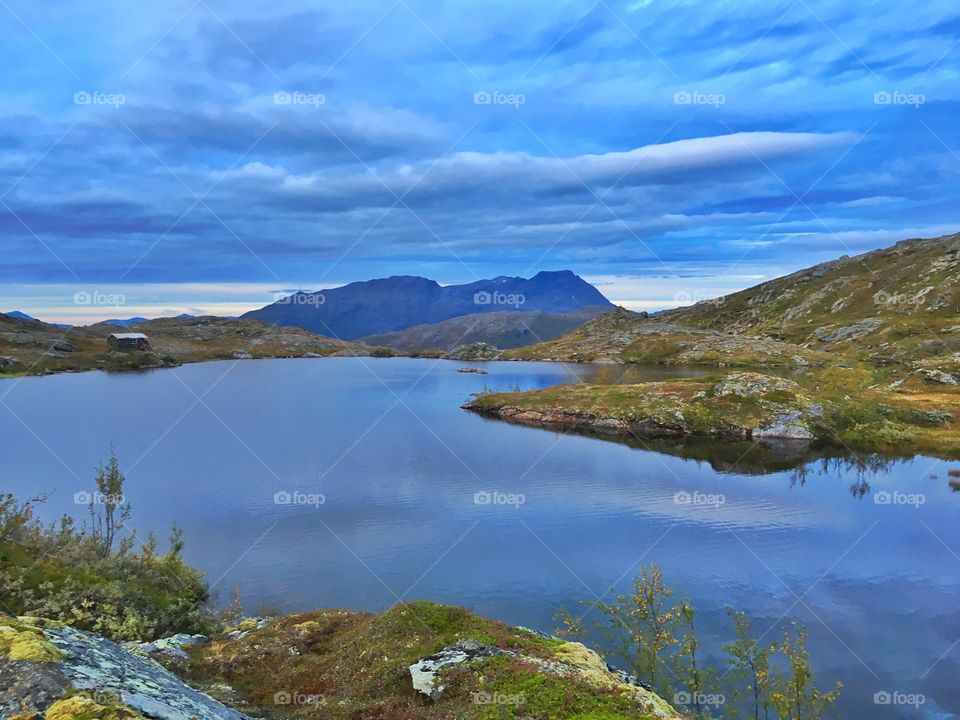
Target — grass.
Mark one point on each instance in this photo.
(359, 664)
(839, 406)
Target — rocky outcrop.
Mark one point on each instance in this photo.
(570, 660)
(424, 672)
(46, 665)
(474, 351)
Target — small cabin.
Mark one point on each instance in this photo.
(128, 342)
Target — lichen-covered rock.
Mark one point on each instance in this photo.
(753, 385)
(424, 671)
(53, 669)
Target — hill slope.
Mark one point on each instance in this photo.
(35, 347)
(900, 302)
(386, 305)
(500, 329)
(624, 336)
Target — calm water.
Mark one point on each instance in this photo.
(398, 464)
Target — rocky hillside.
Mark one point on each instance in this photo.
(499, 329)
(901, 302)
(417, 661)
(387, 305)
(35, 347)
(624, 336)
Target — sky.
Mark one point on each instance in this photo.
(199, 156)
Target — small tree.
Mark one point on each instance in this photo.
(751, 663)
(109, 510)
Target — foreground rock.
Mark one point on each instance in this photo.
(417, 661)
(63, 673)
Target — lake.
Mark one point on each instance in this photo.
(358, 482)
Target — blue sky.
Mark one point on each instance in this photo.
(197, 155)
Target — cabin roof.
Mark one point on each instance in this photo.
(128, 336)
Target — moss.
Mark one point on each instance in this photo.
(29, 647)
(75, 708)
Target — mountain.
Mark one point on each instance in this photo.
(386, 305)
(899, 302)
(23, 316)
(499, 329)
(126, 323)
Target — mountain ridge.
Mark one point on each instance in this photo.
(387, 305)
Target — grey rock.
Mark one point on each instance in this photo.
(97, 664)
(938, 377)
(63, 346)
(787, 425)
(424, 671)
(848, 332)
(472, 370)
(242, 355)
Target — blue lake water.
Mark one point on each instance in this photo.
(214, 447)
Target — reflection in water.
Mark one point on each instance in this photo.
(878, 582)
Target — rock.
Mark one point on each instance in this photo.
(242, 355)
(848, 332)
(473, 370)
(92, 663)
(169, 652)
(938, 377)
(753, 385)
(63, 345)
(474, 351)
(424, 671)
(7, 361)
(788, 425)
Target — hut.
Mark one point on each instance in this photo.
(128, 342)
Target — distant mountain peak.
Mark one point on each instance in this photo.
(386, 305)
